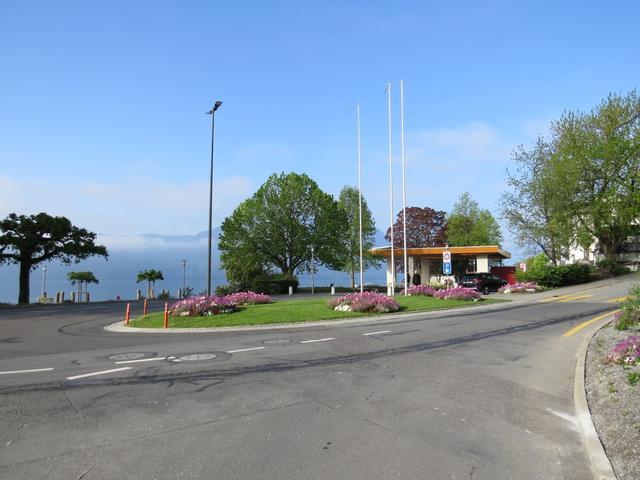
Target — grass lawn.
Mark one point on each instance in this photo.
(291, 311)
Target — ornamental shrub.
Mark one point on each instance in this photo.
(458, 293)
(627, 352)
(424, 290)
(542, 272)
(630, 310)
(370, 302)
(201, 305)
(521, 287)
(248, 298)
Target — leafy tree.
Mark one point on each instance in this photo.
(277, 227)
(28, 240)
(531, 207)
(596, 167)
(150, 276)
(348, 202)
(425, 228)
(81, 279)
(469, 225)
(581, 185)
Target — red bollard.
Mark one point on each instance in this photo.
(127, 314)
(144, 307)
(165, 322)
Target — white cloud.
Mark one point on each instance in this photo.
(147, 242)
(467, 146)
(127, 207)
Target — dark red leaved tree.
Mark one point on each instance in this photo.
(425, 228)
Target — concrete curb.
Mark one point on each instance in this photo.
(119, 327)
(600, 464)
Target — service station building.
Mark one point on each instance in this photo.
(427, 261)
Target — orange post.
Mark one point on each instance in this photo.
(144, 307)
(127, 314)
(165, 323)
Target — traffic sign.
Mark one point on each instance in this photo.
(446, 262)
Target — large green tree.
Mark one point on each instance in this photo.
(278, 227)
(531, 206)
(28, 240)
(596, 167)
(582, 184)
(349, 203)
(470, 225)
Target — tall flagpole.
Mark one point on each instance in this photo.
(404, 191)
(360, 196)
(393, 258)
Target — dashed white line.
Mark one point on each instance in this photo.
(33, 370)
(102, 372)
(377, 333)
(141, 360)
(318, 340)
(245, 349)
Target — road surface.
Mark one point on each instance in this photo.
(473, 394)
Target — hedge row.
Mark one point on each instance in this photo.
(556, 276)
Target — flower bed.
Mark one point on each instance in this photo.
(364, 302)
(626, 352)
(424, 290)
(521, 287)
(458, 293)
(248, 298)
(202, 305)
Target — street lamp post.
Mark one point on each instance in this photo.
(393, 258)
(184, 277)
(404, 191)
(44, 281)
(313, 271)
(211, 112)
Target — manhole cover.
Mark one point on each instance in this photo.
(130, 356)
(277, 341)
(197, 357)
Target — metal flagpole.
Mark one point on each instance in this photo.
(393, 258)
(404, 191)
(360, 196)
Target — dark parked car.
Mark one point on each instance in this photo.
(482, 282)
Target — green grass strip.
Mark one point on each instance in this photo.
(293, 311)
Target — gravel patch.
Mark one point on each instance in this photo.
(614, 403)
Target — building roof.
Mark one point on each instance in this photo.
(493, 251)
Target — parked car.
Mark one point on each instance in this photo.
(482, 282)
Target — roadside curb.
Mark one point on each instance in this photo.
(600, 464)
(119, 327)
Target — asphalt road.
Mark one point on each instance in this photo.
(474, 394)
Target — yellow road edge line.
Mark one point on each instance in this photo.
(579, 327)
(555, 298)
(617, 300)
(576, 297)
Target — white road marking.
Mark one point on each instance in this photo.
(33, 370)
(565, 416)
(318, 340)
(102, 372)
(245, 349)
(154, 359)
(377, 333)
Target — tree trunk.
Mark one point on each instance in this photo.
(609, 252)
(25, 271)
(353, 278)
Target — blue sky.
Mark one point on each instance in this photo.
(102, 104)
